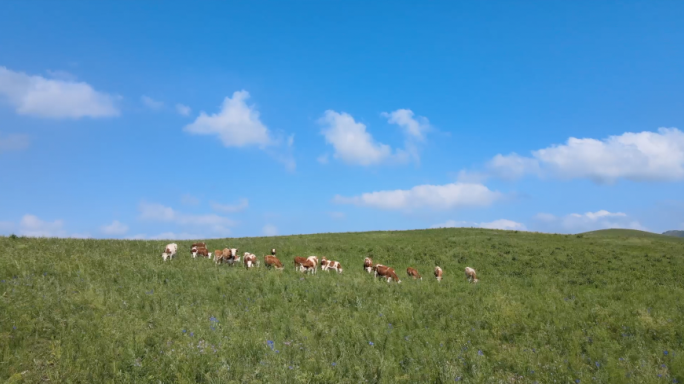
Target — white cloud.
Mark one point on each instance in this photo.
(32, 226)
(161, 213)
(496, 224)
(589, 221)
(189, 199)
(642, 156)
(14, 142)
(151, 103)
(512, 166)
(230, 208)
(415, 128)
(183, 109)
(54, 98)
(352, 143)
(426, 196)
(270, 230)
(337, 215)
(236, 124)
(177, 236)
(115, 228)
(61, 75)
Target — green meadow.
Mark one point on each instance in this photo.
(601, 307)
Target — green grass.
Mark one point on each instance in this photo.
(621, 233)
(548, 308)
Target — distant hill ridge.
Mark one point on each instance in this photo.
(674, 233)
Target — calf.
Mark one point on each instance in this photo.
(438, 273)
(200, 251)
(298, 261)
(272, 262)
(250, 260)
(471, 275)
(170, 251)
(386, 272)
(412, 272)
(330, 264)
(368, 265)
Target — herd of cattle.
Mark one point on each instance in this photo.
(308, 265)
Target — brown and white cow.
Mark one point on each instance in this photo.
(471, 275)
(326, 265)
(438, 273)
(170, 251)
(298, 261)
(307, 266)
(229, 255)
(314, 260)
(250, 260)
(198, 245)
(412, 272)
(200, 251)
(272, 262)
(368, 265)
(386, 272)
(218, 253)
(273, 252)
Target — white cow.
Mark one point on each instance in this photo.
(314, 260)
(170, 251)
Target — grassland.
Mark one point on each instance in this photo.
(595, 308)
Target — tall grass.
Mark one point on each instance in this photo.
(548, 308)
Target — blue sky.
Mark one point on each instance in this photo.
(183, 120)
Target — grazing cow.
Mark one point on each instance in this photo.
(386, 272)
(229, 255)
(438, 273)
(471, 275)
(272, 262)
(412, 272)
(250, 260)
(307, 266)
(198, 245)
(298, 261)
(170, 251)
(326, 265)
(200, 251)
(368, 265)
(314, 260)
(218, 253)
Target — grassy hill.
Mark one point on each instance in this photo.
(561, 308)
(674, 233)
(622, 233)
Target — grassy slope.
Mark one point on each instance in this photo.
(621, 233)
(548, 307)
(674, 233)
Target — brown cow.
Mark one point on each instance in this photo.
(272, 262)
(412, 272)
(438, 273)
(386, 272)
(298, 262)
(200, 251)
(368, 265)
(471, 275)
